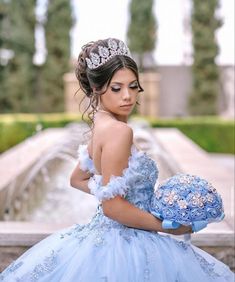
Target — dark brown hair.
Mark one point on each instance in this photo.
(90, 79)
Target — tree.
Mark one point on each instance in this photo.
(18, 89)
(3, 21)
(204, 96)
(142, 29)
(58, 23)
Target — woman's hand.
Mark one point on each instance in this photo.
(79, 179)
(179, 231)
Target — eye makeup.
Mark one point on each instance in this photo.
(117, 86)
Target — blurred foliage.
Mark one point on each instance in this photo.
(57, 29)
(142, 29)
(204, 97)
(14, 128)
(211, 133)
(17, 32)
(3, 33)
(24, 86)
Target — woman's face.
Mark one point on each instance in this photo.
(121, 95)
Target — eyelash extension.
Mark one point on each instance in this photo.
(118, 89)
(134, 87)
(115, 89)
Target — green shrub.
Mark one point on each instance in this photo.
(213, 134)
(13, 133)
(15, 128)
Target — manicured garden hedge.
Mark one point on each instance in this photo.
(211, 133)
(14, 128)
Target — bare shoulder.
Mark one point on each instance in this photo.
(118, 133)
(116, 150)
(118, 126)
(116, 141)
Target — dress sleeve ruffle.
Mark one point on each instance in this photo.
(85, 162)
(117, 185)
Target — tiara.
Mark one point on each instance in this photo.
(106, 53)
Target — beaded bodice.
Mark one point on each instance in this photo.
(141, 178)
(136, 184)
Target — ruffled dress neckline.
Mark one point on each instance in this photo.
(87, 164)
(118, 184)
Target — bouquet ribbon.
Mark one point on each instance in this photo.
(196, 225)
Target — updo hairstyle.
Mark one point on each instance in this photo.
(100, 77)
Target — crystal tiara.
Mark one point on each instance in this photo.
(106, 53)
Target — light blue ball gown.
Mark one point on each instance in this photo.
(107, 251)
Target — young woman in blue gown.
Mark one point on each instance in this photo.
(121, 243)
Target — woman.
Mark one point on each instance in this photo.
(121, 243)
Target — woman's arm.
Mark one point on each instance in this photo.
(114, 159)
(79, 179)
(127, 214)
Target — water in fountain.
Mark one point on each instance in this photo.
(56, 200)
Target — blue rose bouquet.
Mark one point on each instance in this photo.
(188, 200)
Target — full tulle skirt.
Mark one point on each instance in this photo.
(114, 253)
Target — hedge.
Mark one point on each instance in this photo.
(211, 133)
(14, 128)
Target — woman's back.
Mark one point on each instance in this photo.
(104, 132)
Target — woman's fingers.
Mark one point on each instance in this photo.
(181, 230)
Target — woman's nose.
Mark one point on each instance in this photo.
(126, 94)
